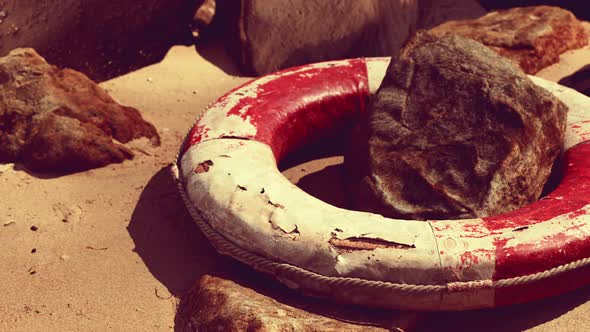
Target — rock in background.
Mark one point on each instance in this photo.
(272, 35)
(102, 39)
(216, 304)
(454, 131)
(59, 120)
(579, 8)
(435, 12)
(532, 37)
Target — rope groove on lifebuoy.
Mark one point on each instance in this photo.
(227, 177)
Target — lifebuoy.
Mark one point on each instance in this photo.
(228, 177)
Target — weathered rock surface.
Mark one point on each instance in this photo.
(216, 304)
(435, 12)
(533, 37)
(283, 33)
(59, 120)
(454, 131)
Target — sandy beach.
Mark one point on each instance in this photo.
(114, 248)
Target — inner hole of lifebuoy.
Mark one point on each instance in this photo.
(318, 169)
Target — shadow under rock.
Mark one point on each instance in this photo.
(580, 80)
(54, 174)
(219, 42)
(326, 185)
(215, 52)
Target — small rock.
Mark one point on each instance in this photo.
(532, 37)
(203, 17)
(8, 223)
(64, 257)
(162, 293)
(280, 34)
(6, 167)
(454, 132)
(216, 304)
(34, 228)
(59, 120)
(150, 80)
(72, 213)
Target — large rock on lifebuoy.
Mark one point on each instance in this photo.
(454, 131)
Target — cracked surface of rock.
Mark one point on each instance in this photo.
(533, 37)
(216, 304)
(454, 131)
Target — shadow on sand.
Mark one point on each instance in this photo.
(177, 254)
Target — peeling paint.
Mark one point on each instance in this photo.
(203, 167)
(280, 206)
(364, 243)
(521, 228)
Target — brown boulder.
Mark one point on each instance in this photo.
(454, 131)
(216, 304)
(59, 120)
(277, 34)
(532, 37)
(280, 34)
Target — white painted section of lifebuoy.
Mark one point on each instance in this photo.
(246, 198)
(376, 70)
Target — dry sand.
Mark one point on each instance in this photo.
(115, 248)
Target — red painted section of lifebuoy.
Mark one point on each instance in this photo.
(568, 198)
(299, 105)
(571, 194)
